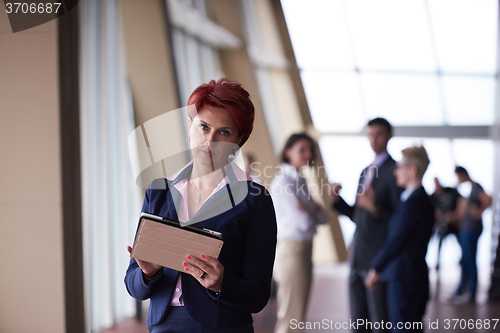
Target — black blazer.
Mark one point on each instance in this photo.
(371, 229)
(402, 257)
(249, 234)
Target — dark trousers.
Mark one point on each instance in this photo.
(468, 240)
(368, 305)
(406, 305)
(177, 320)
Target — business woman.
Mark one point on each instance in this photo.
(401, 260)
(297, 215)
(211, 295)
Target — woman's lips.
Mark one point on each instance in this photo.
(207, 153)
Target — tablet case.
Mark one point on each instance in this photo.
(166, 243)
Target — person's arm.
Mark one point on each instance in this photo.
(140, 285)
(485, 202)
(399, 236)
(250, 292)
(394, 192)
(320, 214)
(481, 202)
(455, 216)
(344, 208)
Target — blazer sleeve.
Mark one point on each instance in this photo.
(136, 285)
(394, 192)
(403, 226)
(251, 291)
(320, 216)
(344, 208)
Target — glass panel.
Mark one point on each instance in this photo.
(344, 158)
(465, 34)
(469, 100)
(178, 41)
(403, 99)
(334, 101)
(193, 62)
(319, 33)
(390, 35)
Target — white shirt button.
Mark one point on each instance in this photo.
(177, 289)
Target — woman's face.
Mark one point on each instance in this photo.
(300, 154)
(213, 136)
(404, 173)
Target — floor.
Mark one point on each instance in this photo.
(329, 304)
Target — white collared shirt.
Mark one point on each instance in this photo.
(406, 193)
(287, 189)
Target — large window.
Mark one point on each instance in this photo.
(419, 63)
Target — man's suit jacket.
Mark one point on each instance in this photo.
(402, 257)
(249, 234)
(371, 228)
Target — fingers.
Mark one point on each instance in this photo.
(203, 265)
(302, 207)
(146, 267)
(215, 263)
(207, 270)
(195, 271)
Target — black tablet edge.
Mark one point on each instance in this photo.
(202, 231)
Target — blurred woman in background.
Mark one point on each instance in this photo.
(297, 216)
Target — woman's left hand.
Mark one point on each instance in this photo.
(208, 271)
(372, 280)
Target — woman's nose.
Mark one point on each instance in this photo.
(210, 137)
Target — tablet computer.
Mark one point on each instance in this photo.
(164, 242)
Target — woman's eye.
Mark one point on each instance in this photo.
(204, 127)
(224, 133)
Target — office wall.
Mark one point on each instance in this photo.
(148, 56)
(31, 279)
(237, 66)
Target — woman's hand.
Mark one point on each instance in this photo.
(208, 271)
(372, 280)
(367, 201)
(148, 269)
(334, 191)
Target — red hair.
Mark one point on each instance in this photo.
(226, 95)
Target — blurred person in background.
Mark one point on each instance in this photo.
(248, 159)
(297, 215)
(445, 200)
(470, 228)
(401, 260)
(377, 197)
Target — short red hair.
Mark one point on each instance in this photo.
(227, 95)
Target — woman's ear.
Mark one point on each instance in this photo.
(239, 141)
(414, 171)
(285, 153)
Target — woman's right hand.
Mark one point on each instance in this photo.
(148, 269)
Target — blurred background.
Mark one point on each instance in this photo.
(87, 117)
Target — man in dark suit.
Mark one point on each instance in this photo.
(401, 260)
(378, 196)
